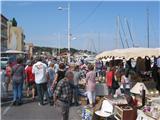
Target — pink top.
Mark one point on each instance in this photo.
(91, 81)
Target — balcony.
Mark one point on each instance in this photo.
(4, 25)
(4, 34)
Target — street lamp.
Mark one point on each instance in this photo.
(69, 29)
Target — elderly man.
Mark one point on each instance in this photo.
(63, 95)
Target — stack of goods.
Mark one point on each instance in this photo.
(117, 101)
(152, 111)
(153, 93)
(82, 84)
(83, 97)
(87, 113)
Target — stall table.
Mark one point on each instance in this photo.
(101, 89)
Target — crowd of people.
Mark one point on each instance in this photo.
(52, 81)
(126, 71)
(57, 83)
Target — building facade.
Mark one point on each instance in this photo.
(29, 49)
(15, 38)
(4, 36)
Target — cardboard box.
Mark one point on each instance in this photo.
(125, 112)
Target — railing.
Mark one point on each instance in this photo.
(4, 34)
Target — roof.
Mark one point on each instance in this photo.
(14, 51)
(4, 17)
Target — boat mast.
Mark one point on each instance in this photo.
(121, 39)
(148, 27)
(124, 34)
(59, 44)
(117, 33)
(98, 42)
(129, 32)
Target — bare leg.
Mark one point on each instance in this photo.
(33, 93)
(28, 92)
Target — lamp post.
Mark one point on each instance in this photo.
(69, 29)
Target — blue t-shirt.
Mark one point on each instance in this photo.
(51, 74)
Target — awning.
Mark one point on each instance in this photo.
(130, 53)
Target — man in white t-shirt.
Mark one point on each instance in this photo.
(40, 70)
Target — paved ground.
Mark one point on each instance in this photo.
(32, 111)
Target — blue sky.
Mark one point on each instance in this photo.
(92, 23)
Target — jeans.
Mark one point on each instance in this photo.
(17, 91)
(76, 97)
(42, 89)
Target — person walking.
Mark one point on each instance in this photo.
(30, 80)
(77, 78)
(63, 95)
(109, 81)
(2, 83)
(50, 78)
(39, 70)
(125, 83)
(8, 76)
(18, 77)
(91, 85)
(59, 76)
(56, 66)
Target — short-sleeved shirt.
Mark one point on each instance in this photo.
(64, 91)
(51, 74)
(29, 75)
(125, 82)
(18, 72)
(61, 75)
(40, 70)
(109, 78)
(56, 67)
(77, 77)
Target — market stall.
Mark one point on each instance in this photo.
(101, 89)
(138, 62)
(120, 109)
(130, 53)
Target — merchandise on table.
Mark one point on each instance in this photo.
(86, 113)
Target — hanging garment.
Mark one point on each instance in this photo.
(158, 62)
(147, 63)
(140, 65)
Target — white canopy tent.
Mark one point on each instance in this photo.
(15, 51)
(130, 53)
